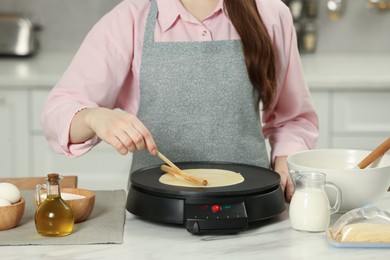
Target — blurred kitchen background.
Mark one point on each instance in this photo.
(345, 58)
(359, 29)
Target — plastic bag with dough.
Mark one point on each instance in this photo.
(365, 232)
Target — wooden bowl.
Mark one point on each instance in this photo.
(81, 207)
(11, 215)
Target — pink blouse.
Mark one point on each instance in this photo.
(105, 71)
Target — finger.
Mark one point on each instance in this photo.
(283, 183)
(117, 144)
(289, 190)
(150, 144)
(122, 139)
(129, 136)
(147, 136)
(128, 144)
(136, 138)
(285, 186)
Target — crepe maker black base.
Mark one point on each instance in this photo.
(228, 209)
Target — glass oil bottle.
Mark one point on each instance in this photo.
(53, 217)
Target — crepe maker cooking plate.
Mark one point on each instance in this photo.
(226, 209)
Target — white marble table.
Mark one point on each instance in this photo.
(146, 240)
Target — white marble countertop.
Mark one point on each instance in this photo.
(146, 240)
(40, 71)
(347, 71)
(333, 71)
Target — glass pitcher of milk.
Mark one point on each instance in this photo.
(310, 209)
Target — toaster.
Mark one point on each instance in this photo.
(18, 35)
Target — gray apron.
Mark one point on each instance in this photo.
(198, 102)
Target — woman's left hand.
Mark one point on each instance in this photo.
(286, 183)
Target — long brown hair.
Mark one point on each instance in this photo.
(257, 47)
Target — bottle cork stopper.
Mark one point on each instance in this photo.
(53, 176)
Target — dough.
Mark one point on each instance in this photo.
(366, 232)
(214, 177)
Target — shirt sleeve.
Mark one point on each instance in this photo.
(94, 78)
(291, 124)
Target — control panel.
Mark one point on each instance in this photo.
(222, 215)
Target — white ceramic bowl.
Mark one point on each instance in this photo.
(358, 186)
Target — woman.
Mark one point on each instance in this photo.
(187, 77)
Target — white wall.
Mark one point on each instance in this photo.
(65, 22)
(360, 30)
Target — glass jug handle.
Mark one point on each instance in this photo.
(38, 189)
(337, 203)
(294, 176)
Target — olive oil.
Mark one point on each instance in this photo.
(53, 217)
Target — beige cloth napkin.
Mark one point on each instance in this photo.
(104, 226)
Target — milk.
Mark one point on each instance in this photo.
(309, 210)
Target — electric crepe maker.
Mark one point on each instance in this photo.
(203, 210)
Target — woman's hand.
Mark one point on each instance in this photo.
(285, 179)
(125, 132)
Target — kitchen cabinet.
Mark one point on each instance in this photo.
(101, 168)
(24, 151)
(321, 101)
(361, 119)
(352, 119)
(14, 139)
(348, 119)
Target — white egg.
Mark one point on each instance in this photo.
(10, 192)
(4, 202)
